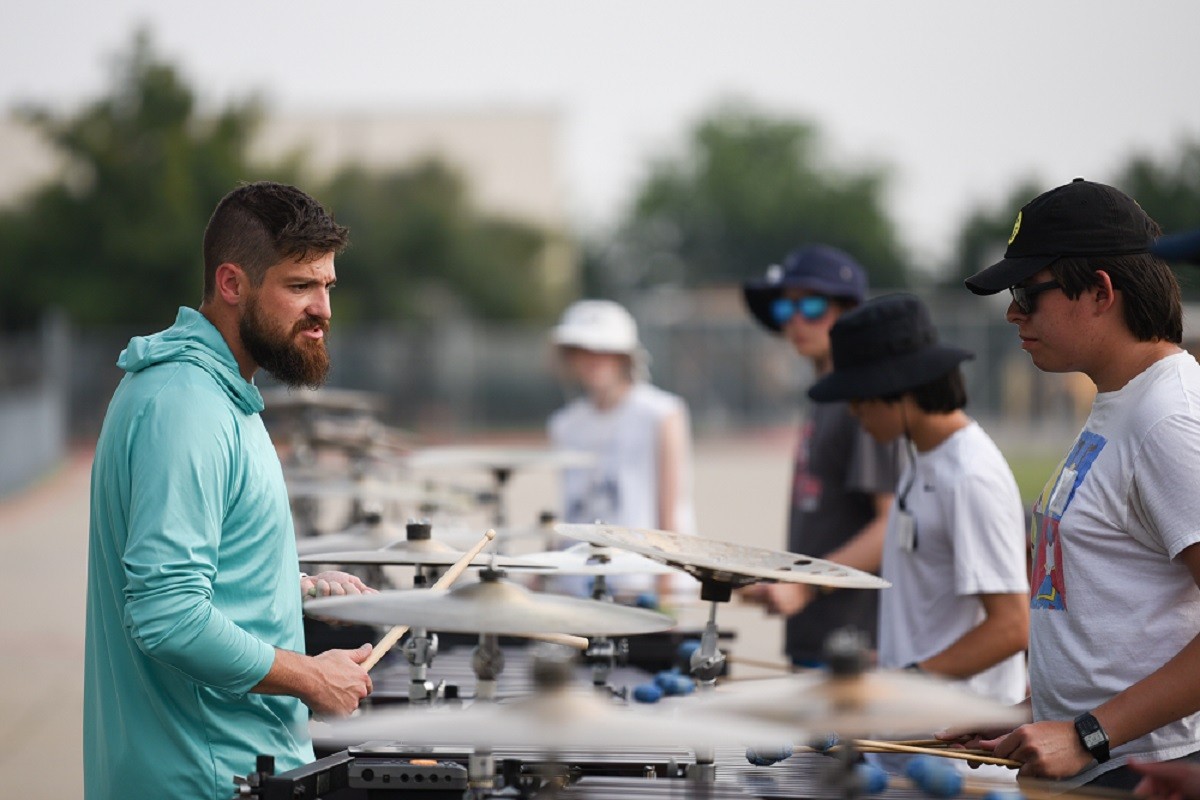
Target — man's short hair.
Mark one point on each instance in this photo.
(258, 225)
(1152, 306)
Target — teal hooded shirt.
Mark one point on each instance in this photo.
(193, 578)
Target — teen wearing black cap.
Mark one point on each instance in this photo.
(955, 546)
(843, 481)
(1115, 600)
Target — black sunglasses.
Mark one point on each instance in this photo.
(1024, 296)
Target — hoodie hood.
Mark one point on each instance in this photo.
(193, 340)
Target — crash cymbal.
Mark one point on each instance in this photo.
(876, 702)
(498, 458)
(375, 541)
(492, 605)
(326, 399)
(723, 561)
(412, 554)
(333, 488)
(589, 559)
(556, 719)
(331, 542)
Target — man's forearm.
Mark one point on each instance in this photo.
(994, 639)
(1169, 693)
(290, 674)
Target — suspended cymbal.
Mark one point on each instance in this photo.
(376, 541)
(326, 399)
(348, 489)
(858, 705)
(492, 606)
(556, 719)
(724, 561)
(498, 458)
(411, 554)
(588, 559)
(332, 542)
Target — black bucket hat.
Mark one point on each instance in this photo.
(884, 347)
(1079, 219)
(818, 268)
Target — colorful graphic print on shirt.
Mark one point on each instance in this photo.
(806, 487)
(1048, 589)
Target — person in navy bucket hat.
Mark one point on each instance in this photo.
(823, 270)
(954, 552)
(842, 480)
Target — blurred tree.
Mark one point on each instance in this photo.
(119, 237)
(1169, 190)
(418, 249)
(983, 235)
(747, 189)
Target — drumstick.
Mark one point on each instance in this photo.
(448, 578)
(892, 747)
(577, 642)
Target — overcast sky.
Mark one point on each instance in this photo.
(960, 98)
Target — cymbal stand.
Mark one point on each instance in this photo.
(708, 661)
(604, 653)
(501, 475)
(487, 661)
(419, 650)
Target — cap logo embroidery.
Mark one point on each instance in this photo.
(1016, 228)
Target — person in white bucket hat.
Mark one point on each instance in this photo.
(639, 434)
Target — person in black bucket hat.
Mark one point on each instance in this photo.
(842, 481)
(1115, 542)
(955, 545)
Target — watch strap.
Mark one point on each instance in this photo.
(1092, 736)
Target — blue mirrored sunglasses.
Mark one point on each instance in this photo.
(812, 307)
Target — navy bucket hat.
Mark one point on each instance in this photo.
(819, 268)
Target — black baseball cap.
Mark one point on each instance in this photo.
(1081, 218)
(818, 268)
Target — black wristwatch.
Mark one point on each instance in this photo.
(1093, 737)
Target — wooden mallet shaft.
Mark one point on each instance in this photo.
(448, 578)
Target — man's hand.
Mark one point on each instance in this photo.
(339, 682)
(331, 583)
(331, 683)
(1167, 780)
(784, 599)
(1046, 749)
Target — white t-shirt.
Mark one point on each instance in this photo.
(969, 541)
(1110, 604)
(621, 488)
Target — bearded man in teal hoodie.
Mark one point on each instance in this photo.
(194, 658)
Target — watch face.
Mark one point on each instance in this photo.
(1092, 739)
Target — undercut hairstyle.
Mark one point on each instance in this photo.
(940, 396)
(258, 225)
(1152, 306)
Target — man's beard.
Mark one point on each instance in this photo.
(296, 363)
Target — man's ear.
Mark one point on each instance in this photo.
(1103, 292)
(231, 283)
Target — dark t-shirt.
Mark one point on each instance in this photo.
(839, 469)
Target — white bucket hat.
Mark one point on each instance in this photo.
(602, 326)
